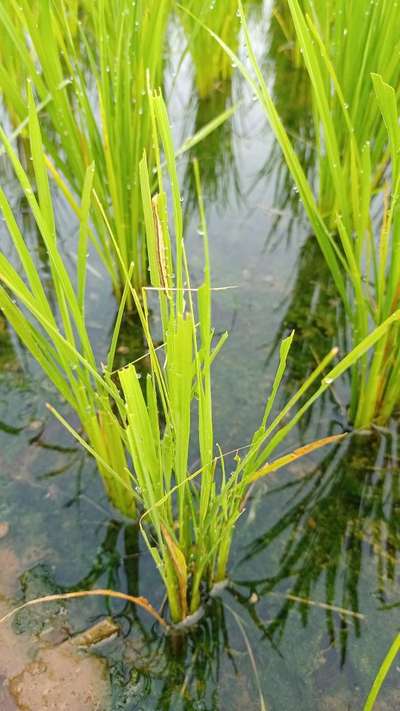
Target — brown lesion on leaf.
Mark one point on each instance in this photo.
(160, 247)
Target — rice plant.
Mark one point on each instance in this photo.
(53, 328)
(217, 68)
(362, 253)
(357, 40)
(192, 517)
(90, 76)
(190, 514)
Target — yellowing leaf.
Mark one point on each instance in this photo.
(179, 562)
(160, 245)
(296, 454)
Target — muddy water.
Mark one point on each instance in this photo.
(46, 670)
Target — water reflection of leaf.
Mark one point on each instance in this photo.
(340, 516)
(219, 170)
(313, 313)
(211, 65)
(7, 354)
